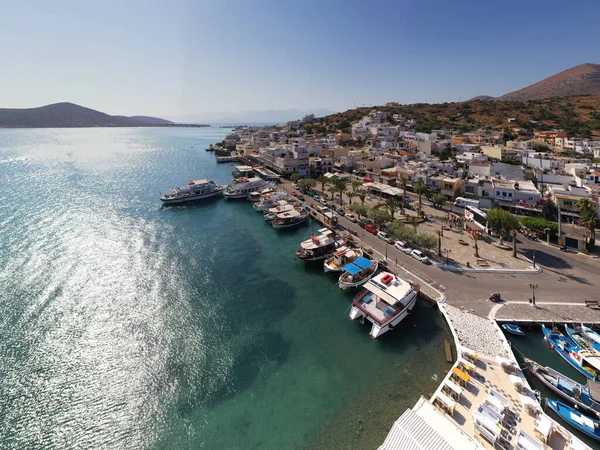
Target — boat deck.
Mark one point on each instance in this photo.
(376, 308)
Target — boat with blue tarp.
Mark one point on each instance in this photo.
(585, 362)
(513, 329)
(569, 389)
(576, 419)
(357, 273)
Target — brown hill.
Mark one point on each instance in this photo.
(483, 98)
(579, 80)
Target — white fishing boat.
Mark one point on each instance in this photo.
(257, 196)
(340, 258)
(195, 190)
(357, 273)
(290, 219)
(242, 187)
(385, 301)
(271, 201)
(320, 245)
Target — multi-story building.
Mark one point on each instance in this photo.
(565, 198)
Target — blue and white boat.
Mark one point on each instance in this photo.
(579, 338)
(585, 362)
(357, 273)
(572, 391)
(592, 337)
(576, 419)
(513, 329)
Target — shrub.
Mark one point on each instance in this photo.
(539, 225)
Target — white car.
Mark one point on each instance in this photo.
(385, 237)
(403, 247)
(295, 186)
(323, 201)
(351, 218)
(419, 256)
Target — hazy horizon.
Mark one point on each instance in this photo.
(189, 58)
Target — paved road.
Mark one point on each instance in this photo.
(566, 277)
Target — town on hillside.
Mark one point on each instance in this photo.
(549, 178)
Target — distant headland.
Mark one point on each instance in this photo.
(70, 115)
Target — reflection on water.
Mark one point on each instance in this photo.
(125, 324)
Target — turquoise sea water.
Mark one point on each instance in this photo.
(124, 324)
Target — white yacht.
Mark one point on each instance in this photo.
(320, 245)
(242, 187)
(385, 301)
(273, 213)
(195, 190)
(270, 200)
(340, 258)
(257, 196)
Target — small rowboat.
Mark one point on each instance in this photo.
(513, 329)
(577, 420)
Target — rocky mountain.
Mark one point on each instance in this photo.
(67, 115)
(579, 80)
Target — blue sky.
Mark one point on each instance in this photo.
(184, 57)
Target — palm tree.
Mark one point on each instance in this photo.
(323, 182)
(420, 188)
(513, 233)
(403, 183)
(355, 185)
(362, 197)
(439, 234)
(475, 237)
(392, 205)
(587, 217)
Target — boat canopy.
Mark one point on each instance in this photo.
(363, 262)
(352, 268)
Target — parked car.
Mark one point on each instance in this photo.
(323, 209)
(295, 186)
(361, 223)
(351, 217)
(385, 237)
(300, 197)
(322, 201)
(419, 256)
(371, 228)
(403, 247)
(294, 193)
(316, 197)
(340, 211)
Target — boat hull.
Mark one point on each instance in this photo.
(297, 223)
(567, 413)
(377, 329)
(513, 329)
(345, 285)
(564, 347)
(191, 198)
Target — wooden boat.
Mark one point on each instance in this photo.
(592, 336)
(357, 272)
(513, 329)
(576, 419)
(585, 362)
(572, 391)
(579, 338)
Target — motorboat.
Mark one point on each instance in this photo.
(242, 187)
(341, 257)
(257, 196)
(572, 391)
(272, 213)
(357, 273)
(270, 200)
(320, 245)
(584, 361)
(385, 301)
(290, 219)
(580, 338)
(576, 419)
(513, 329)
(195, 190)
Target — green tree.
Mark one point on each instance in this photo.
(402, 232)
(587, 217)
(438, 199)
(360, 210)
(426, 241)
(502, 222)
(355, 186)
(307, 184)
(379, 216)
(513, 234)
(475, 237)
(323, 180)
(420, 188)
(392, 204)
(362, 197)
(295, 177)
(539, 225)
(403, 184)
(339, 187)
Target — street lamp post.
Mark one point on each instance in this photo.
(533, 288)
(533, 258)
(547, 230)
(447, 251)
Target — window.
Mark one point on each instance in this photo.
(510, 194)
(497, 193)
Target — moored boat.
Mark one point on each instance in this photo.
(357, 273)
(290, 219)
(340, 258)
(572, 391)
(576, 419)
(585, 362)
(195, 190)
(256, 196)
(270, 200)
(320, 245)
(579, 338)
(513, 329)
(592, 336)
(272, 213)
(242, 187)
(385, 301)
